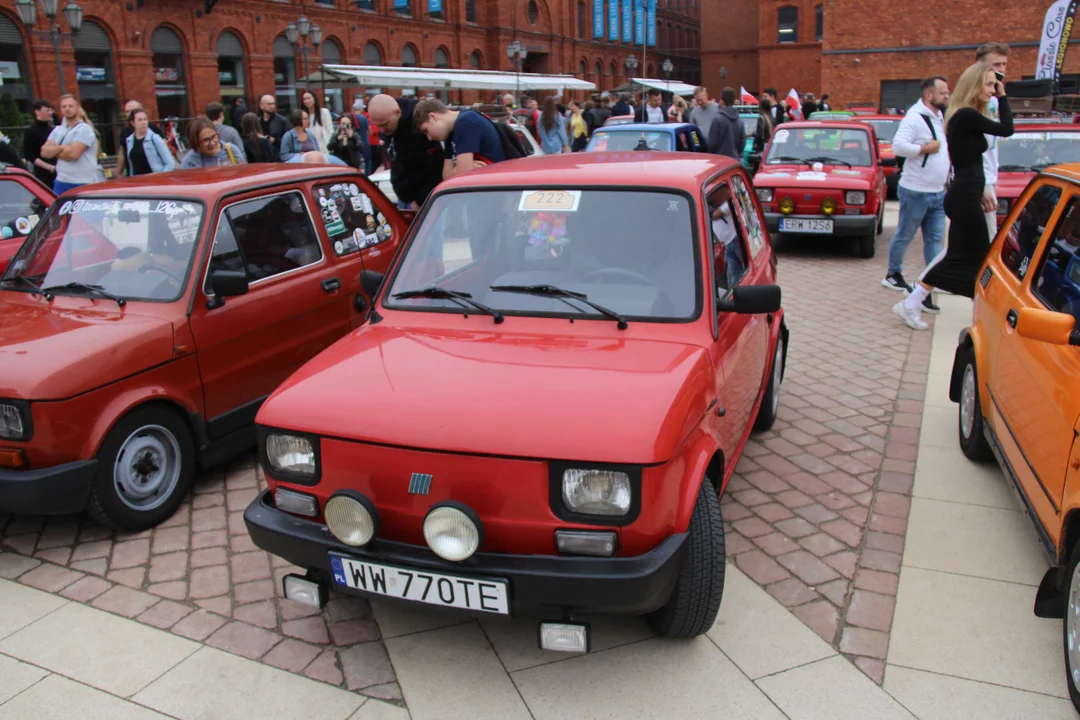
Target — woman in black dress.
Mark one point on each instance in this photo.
(966, 127)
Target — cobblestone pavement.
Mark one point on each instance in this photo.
(816, 510)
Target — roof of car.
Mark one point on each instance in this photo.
(212, 182)
(652, 168)
(810, 124)
(631, 127)
(1047, 127)
(862, 118)
(1069, 171)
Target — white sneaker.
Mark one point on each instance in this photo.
(912, 318)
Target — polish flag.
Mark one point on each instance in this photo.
(794, 101)
(747, 98)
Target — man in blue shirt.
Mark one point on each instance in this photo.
(471, 139)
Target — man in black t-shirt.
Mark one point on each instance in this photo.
(35, 137)
(471, 138)
(416, 163)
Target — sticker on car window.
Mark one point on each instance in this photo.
(22, 225)
(6, 232)
(34, 219)
(549, 200)
(548, 230)
(351, 219)
(780, 137)
(1062, 136)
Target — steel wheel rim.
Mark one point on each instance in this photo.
(1072, 628)
(778, 370)
(967, 401)
(147, 468)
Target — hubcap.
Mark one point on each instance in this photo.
(1072, 628)
(147, 468)
(778, 370)
(967, 401)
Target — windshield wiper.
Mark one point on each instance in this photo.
(30, 284)
(565, 296)
(95, 289)
(789, 159)
(461, 298)
(826, 159)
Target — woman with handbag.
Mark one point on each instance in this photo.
(145, 151)
(967, 124)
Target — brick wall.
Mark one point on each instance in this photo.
(729, 39)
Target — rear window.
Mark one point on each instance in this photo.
(629, 140)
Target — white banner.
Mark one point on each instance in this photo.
(1057, 29)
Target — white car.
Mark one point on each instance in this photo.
(532, 148)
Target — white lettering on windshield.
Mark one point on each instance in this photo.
(169, 208)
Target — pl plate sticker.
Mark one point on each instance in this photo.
(22, 225)
(780, 137)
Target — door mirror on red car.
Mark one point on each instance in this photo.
(371, 281)
(1047, 326)
(226, 283)
(751, 300)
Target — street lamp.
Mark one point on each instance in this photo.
(667, 68)
(307, 36)
(517, 53)
(72, 13)
(723, 75)
(631, 64)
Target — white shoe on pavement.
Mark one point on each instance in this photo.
(913, 319)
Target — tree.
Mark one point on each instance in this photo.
(12, 121)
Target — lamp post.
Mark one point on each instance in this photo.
(667, 68)
(72, 13)
(517, 53)
(307, 36)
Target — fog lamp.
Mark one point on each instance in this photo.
(451, 533)
(787, 206)
(583, 542)
(828, 206)
(564, 637)
(350, 520)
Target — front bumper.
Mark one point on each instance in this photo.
(842, 224)
(562, 584)
(59, 490)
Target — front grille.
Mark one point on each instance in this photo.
(420, 484)
(984, 280)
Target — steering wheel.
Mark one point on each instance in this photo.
(624, 273)
(161, 269)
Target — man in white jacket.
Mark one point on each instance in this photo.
(920, 140)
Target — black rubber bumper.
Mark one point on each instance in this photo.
(59, 490)
(842, 224)
(618, 586)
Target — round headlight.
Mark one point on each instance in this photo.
(787, 206)
(451, 533)
(349, 520)
(828, 206)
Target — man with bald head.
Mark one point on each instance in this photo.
(274, 126)
(416, 163)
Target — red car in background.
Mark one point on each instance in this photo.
(23, 200)
(1029, 150)
(885, 126)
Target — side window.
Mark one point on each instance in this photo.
(20, 210)
(524, 140)
(684, 141)
(1023, 237)
(729, 255)
(225, 255)
(273, 235)
(748, 213)
(1057, 281)
(350, 217)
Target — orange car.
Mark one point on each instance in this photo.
(1016, 378)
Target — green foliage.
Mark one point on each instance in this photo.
(11, 119)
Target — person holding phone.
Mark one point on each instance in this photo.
(996, 55)
(967, 123)
(348, 145)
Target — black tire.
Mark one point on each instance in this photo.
(145, 469)
(972, 439)
(1072, 616)
(692, 608)
(770, 401)
(881, 221)
(867, 245)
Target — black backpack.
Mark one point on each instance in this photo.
(511, 144)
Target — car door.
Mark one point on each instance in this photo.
(294, 307)
(738, 338)
(1031, 382)
(362, 229)
(23, 201)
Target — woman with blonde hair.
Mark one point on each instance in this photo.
(966, 126)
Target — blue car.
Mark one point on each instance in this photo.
(680, 137)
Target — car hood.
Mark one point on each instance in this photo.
(600, 399)
(831, 176)
(51, 351)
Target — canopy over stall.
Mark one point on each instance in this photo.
(359, 76)
(674, 87)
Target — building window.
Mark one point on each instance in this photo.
(819, 22)
(365, 5)
(284, 74)
(97, 81)
(442, 59)
(372, 55)
(470, 11)
(599, 71)
(403, 7)
(333, 98)
(408, 56)
(533, 12)
(230, 52)
(583, 69)
(475, 60)
(581, 20)
(788, 17)
(170, 83)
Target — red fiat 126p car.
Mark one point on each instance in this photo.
(1030, 150)
(23, 200)
(557, 378)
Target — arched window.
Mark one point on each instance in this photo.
(408, 56)
(333, 98)
(532, 12)
(97, 79)
(230, 65)
(819, 22)
(583, 69)
(788, 20)
(581, 20)
(13, 53)
(372, 55)
(612, 72)
(470, 11)
(599, 70)
(475, 60)
(652, 71)
(442, 59)
(170, 82)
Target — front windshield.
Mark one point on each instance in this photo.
(885, 129)
(1037, 150)
(133, 249)
(631, 251)
(819, 144)
(603, 141)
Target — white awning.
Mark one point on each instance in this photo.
(675, 87)
(380, 76)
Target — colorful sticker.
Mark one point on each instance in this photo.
(22, 225)
(353, 190)
(780, 137)
(356, 203)
(1062, 136)
(547, 229)
(335, 227)
(549, 200)
(34, 219)
(371, 239)
(1029, 136)
(339, 248)
(6, 232)
(775, 174)
(367, 204)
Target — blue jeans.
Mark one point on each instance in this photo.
(917, 209)
(62, 187)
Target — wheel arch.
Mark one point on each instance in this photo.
(165, 403)
(956, 377)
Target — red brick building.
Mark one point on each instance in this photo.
(175, 56)
(863, 50)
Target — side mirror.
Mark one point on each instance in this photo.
(371, 281)
(751, 300)
(226, 283)
(1047, 326)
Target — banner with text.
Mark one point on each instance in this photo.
(1057, 29)
(613, 20)
(627, 22)
(651, 25)
(639, 23)
(434, 6)
(598, 19)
